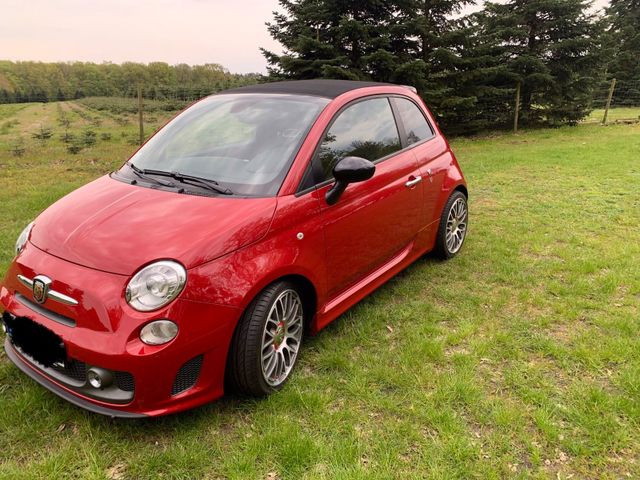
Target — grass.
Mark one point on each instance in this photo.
(119, 105)
(520, 358)
(616, 114)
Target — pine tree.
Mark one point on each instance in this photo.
(467, 89)
(326, 38)
(623, 17)
(551, 48)
(427, 49)
(411, 42)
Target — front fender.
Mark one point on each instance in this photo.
(293, 246)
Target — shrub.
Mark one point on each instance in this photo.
(74, 148)
(63, 119)
(88, 138)
(105, 136)
(67, 137)
(44, 134)
(17, 148)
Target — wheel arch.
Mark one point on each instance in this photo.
(308, 293)
(462, 188)
(308, 290)
(309, 298)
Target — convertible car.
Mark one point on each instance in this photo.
(252, 219)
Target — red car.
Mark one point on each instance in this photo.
(254, 216)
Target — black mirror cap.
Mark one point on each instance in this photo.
(349, 170)
(353, 169)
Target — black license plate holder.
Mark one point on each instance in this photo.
(36, 341)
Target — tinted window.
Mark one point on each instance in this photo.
(245, 142)
(415, 125)
(366, 129)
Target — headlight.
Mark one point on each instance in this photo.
(158, 332)
(156, 285)
(23, 237)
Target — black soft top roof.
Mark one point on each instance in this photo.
(318, 88)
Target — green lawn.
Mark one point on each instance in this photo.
(616, 114)
(520, 358)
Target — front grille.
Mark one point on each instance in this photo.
(72, 369)
(187, 375)
(45, 312)
(124, 380)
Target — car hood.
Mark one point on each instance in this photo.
(116, 227)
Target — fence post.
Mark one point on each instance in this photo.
(517, 109)
(606, 109)
(140, 113)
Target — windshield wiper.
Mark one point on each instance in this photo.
(192, 180)
(141, 173)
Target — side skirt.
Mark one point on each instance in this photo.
(348, 298)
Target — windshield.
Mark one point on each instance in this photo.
(244, 142)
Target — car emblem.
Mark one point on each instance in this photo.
(41, 286)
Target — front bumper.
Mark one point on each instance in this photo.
(26, 367)
(103, 331)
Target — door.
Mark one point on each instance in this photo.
(373, 220)
(430, 153)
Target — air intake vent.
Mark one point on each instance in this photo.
(187, 375)
(72, 369)
(124, 380)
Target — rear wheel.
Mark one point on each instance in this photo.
(452, 230)
(265, 345)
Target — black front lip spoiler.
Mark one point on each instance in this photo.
(49, 385)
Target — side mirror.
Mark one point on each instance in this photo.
(346, 171)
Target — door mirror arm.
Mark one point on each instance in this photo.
(335, 192)
(346, 171)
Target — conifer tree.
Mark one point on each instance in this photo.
(326, 38)
(551, 48)
(623, 17)
(412, 42)
(466, 68)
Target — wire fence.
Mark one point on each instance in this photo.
(145, 109)
(615, 101)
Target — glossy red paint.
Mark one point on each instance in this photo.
(92, 226)
(92, 241)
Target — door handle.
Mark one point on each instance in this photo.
(413, 182)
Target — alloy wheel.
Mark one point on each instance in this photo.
(281, 337)
(456, 225)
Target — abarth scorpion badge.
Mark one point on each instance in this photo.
(41, 285)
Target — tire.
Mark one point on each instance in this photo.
(272, 326)
(448, 247)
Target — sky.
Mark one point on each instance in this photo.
(228, 32)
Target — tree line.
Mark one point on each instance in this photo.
(554, 53)
(43, 82)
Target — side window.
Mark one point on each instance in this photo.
(415, 125)
(366, 129)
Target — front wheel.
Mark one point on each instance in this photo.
(265, 345)
(453, 226)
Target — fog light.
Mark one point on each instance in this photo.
(158, 332)
(99, 377)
